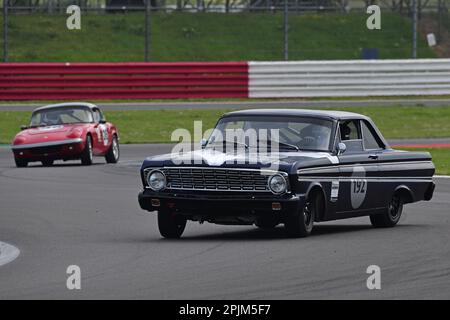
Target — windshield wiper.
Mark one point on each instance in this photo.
(292, 146)
(283, 144)
(235, 143)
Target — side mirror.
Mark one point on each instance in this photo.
(341, 147)
(203, 143)
(23, 127)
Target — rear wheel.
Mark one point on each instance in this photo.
(113, 154)
(300, 224)
(86, 156)
(20, 163)
(170, 225)
(392, 213)
(47, 163)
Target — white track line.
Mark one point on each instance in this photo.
(443, 177)
(7, 253)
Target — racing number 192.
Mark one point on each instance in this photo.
(359, 186)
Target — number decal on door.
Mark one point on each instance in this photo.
(104, 129)
(99, 134)
(359, 186)
(102, 134)
(358, 192)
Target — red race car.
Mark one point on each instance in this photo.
(66, 131)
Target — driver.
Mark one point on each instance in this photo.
(51, 118)
(315, 137)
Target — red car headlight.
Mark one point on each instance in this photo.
(19, 140)
(74, 133)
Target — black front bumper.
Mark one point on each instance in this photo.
(430, 190)
(220, 204)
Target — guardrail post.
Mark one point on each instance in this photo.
(286, 30)
(439, 20)
(414, 30)
(147, 30)
(5, 30)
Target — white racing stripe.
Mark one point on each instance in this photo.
(7, 253)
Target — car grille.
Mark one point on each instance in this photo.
(46, 150)
(209, 179)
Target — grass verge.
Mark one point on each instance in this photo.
(207, 37)
(441, 159)
(155, 126)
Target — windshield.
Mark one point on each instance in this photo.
(290, 133)
(57, 116)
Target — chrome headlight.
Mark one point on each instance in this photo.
(277, 184)
(156, 180)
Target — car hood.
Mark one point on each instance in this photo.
(49, 133)
(284, 161)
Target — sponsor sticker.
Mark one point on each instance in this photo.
(334, 190)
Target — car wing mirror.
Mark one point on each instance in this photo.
(341, 147)
(203, 143)
(23, 127)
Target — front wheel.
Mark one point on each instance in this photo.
(391, 216)
(86, 156)
(300, 224)
(47, 163)
(20, 163)
(170, 225)
(113, 154)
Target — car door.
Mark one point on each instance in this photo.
(357, 169)
(102, 135)
(375, 149)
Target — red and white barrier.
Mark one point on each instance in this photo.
(349, 78)
(174, 80)
(54, 81)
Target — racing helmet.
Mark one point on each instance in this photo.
(51, 118)
(316, 136)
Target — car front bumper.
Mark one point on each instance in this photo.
(220, 204)
(62, 149)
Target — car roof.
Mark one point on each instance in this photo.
(67, 104)
(323, 114)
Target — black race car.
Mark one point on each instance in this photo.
(293, 167)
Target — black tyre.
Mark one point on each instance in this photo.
(87, 155)
(20, 163)
(392, 214)
(47, 163)
(300, 224)
(113, 154)
(170, 225)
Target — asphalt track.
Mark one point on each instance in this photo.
(89, 216)
(115, 106)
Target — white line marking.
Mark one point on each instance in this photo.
(7, 253)
(444, 177)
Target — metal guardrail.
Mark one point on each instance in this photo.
(140, 80)
(349, 78)
(133, 80)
